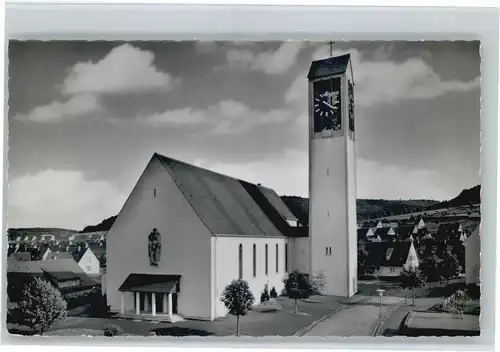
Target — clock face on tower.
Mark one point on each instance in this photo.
(326, 105)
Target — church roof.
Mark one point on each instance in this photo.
(150, 283)
(277, 203)
(228, 206)
(329, 66)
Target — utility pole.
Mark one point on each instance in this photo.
(380, 293)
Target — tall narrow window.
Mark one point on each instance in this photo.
(277, 259)
(254, 260)
(286, 257)
(240, 261)
(154, 192)
(266, 263)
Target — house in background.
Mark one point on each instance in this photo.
(21, 256)
(390, 258)
(84, 257)
(64, 274)
(404, 233)
(420, 225)
(385, 234)
(449, 233)
(472, 259)
(37, 251)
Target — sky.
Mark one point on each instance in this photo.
(85, 118)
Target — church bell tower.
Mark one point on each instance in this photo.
(332, 175)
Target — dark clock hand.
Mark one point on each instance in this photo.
(329, 105)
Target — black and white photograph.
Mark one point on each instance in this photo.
(243, 188)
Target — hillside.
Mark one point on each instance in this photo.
(104, 225)
(366, 208)
(466, 197)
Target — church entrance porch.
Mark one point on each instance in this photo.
(154, 297)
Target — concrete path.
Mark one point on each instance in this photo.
(358, 319)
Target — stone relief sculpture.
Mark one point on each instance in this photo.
(154, 247)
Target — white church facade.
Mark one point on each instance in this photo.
(185, 232)
(212, 228)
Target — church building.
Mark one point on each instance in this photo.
(185, 232)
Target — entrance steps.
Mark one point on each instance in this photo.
(160, 318)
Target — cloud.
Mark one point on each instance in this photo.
(275, 62)
(382, 181)
(379, 80)
(77, 106)
(174, 117)
(287, 175)
(54, 198)
(125, 69)
(224, 118)
(231, 117)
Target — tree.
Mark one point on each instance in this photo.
(41, 306)
(264, 296)
(431, 268)
(102, 261)
(456, 303)
(449, 266)
(298, 287)
(238, 299)
(273, 293)
(412, 278)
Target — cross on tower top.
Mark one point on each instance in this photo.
(331, 47)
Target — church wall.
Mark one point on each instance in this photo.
(300, 254)
(351, 218)
(328, 226)
(226, 249)
(185, 243)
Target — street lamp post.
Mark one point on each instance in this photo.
(380, 293)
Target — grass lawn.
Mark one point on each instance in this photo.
(75, 332)
(282, 323)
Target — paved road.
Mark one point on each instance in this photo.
(358, 319)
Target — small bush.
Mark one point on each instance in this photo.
(264, 296)
(273, 293)
(457, 304)
(112, 330)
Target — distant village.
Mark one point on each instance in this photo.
(73, 262)
(385, 245)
